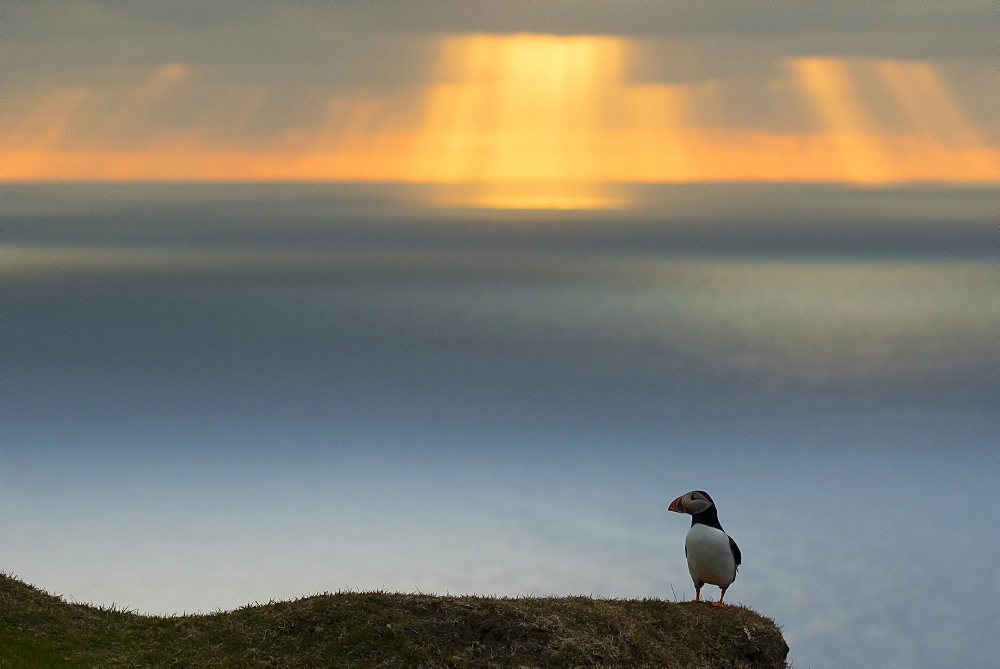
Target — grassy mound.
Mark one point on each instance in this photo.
(389, 630)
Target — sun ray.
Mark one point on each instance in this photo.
(660, 144)
(47, 122)
(828, 83)
(524, 110)
(926, 103)
(516, 120)
(138, 102)
(943, 135)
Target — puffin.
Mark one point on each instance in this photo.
(712, 555)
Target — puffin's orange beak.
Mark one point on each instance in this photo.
(676, 506)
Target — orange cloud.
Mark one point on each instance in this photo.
(536, 112)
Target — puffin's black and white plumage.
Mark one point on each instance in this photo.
(712, 555)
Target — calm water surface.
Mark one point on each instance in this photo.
(205, 408)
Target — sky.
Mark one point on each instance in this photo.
(456, 297)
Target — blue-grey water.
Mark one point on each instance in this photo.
(224, 394)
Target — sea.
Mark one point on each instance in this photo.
(221, 394)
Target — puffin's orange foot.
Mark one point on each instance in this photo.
(719, 604)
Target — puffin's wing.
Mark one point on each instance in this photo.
(736, 551)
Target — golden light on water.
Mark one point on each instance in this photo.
(524, 121)
(530, 195)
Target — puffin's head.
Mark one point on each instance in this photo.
(694, 502)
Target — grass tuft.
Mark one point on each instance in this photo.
(382, 629)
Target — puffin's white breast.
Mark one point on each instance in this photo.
(710, 559)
